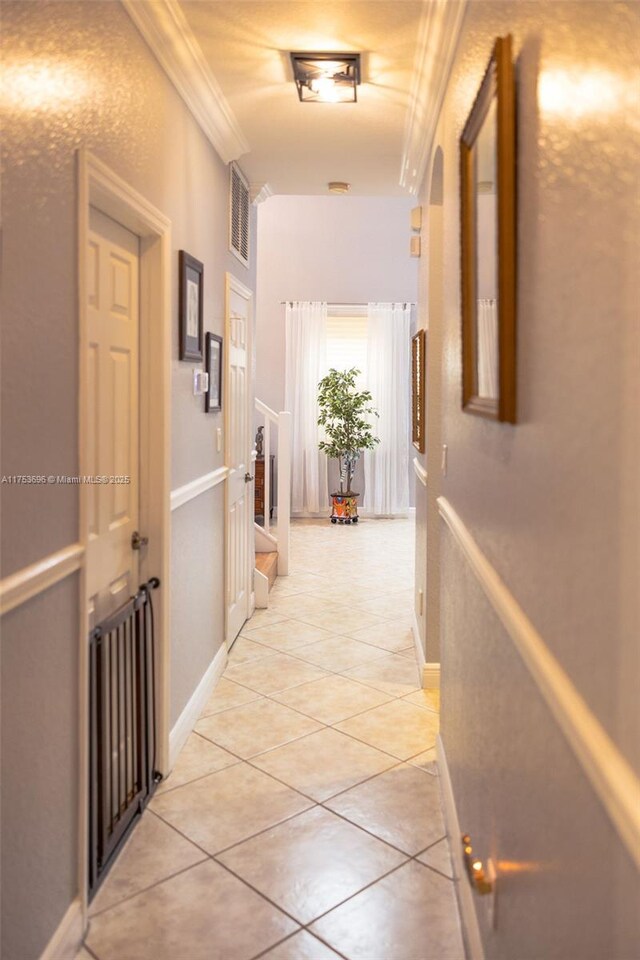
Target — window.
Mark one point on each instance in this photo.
(347, 338)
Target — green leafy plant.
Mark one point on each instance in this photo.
(345, 414)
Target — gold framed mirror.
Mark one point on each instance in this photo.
(488, 242)
(418, 364)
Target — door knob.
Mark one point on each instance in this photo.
(248, 478)
(138, 541)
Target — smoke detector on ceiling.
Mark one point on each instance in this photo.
(339, 186)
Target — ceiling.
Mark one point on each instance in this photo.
(295, 147)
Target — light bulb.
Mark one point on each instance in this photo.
(326, 89)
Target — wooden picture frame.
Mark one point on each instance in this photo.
(213, 366)
(418, 380)
(190, 284)
(488, 243)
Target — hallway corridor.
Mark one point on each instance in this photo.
(306, 805)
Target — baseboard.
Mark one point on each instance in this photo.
(429, 672)
(67, 940)
(261, 588)
(431, 676)
(189, 716)
(415, 629)
(466, 904)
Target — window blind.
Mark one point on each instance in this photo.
(347, 339)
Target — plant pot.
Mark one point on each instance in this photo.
(344, 507)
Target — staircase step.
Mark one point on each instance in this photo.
(267, 563)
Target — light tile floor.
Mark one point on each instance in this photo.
(302, 820)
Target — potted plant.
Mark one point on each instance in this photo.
(345, 414)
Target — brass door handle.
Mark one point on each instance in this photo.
(475, 868)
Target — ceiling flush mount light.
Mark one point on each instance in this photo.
(326, 77)
(338, 186)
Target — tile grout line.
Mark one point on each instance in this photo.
(208, 858)
(324, 725)
(255, 890)
(156, 883)
(244, 632)
(306, 926)
(295, 656)
(269, 697)
(343, 673)
(214, 857)
(313, 804)
(85, 947)
(319, 803)
(266, 952)
(295, 653)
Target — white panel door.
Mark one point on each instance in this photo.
(239, 555)
(112, 422)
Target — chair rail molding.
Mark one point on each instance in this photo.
(420, 471)
(21, 586)
(170, 38)
(610, 774)
(438, 35)
(194, 488)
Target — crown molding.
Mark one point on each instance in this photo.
(438, 35)
(259, 192)
(165, 29)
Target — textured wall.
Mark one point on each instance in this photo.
(567, 888)
(553, 500)
(79, 74)
(197, 594)
(39, 772)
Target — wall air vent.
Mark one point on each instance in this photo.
(238, 214)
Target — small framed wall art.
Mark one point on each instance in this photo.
(190, 306)
(213, 366)
(418, 363)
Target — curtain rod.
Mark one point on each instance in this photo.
(407, 303)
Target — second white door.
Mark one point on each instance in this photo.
(112, 380)
(239, 525)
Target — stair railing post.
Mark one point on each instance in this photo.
(266, 490)
(284, 491)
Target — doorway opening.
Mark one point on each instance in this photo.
(138, 368)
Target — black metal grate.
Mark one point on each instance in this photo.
(122, 727)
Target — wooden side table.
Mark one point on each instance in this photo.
(258, 502)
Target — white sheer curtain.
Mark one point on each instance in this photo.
(487, 348)
(305, 365)
(386, 468)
